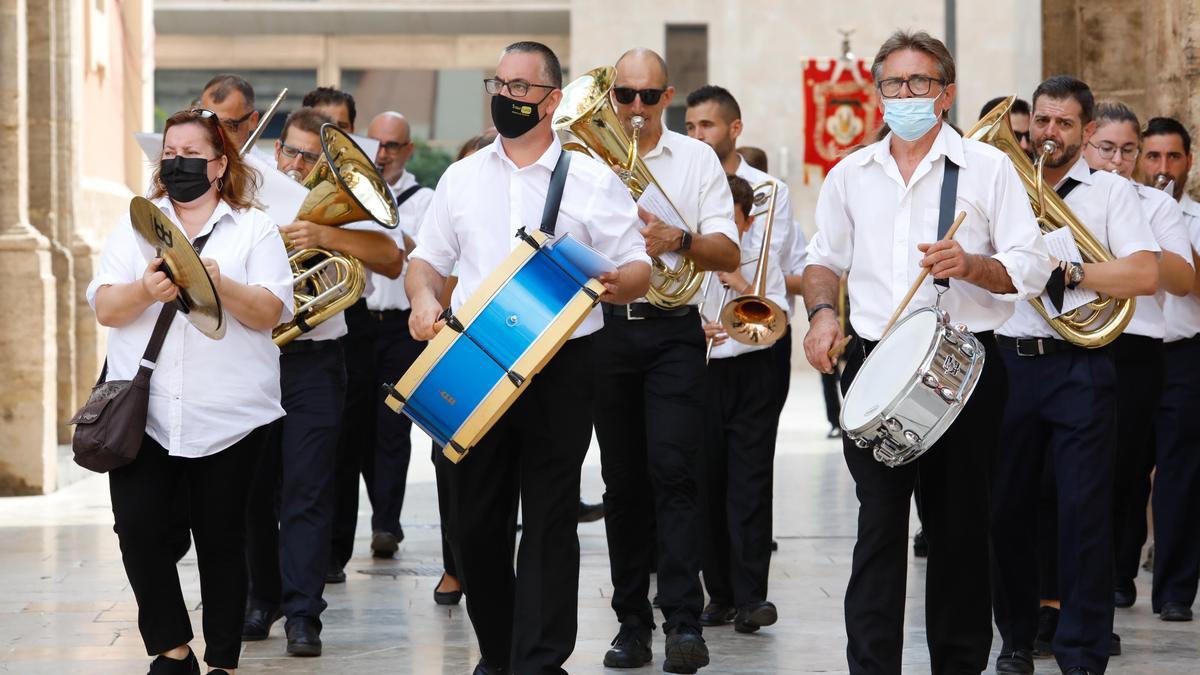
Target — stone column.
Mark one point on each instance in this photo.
(28, 464)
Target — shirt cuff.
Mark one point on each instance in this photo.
(102, 280)
(445, 267)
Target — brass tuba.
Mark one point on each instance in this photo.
(343, 187)
(588, 114)
(1100, 321)
(755, 319)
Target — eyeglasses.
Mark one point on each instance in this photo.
(1109, 150)
(494, 85)
(625, 95)
(393, 147)
(233, 125)
(1022, 136)
(918, 85)
(291, 152)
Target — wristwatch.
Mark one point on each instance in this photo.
(1074, 275)
(824, 305)
(685, 242)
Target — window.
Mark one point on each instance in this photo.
(687, 58)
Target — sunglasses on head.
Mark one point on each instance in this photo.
(211, 117)
(625, 95)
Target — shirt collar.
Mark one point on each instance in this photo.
(948, 143)
(1189, 206)
(662, 146)
(548, 159)
(1080, 171)
(405, 181)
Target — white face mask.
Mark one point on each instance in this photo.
(910, 118)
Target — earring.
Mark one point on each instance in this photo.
(220, 183)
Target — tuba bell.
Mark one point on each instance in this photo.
(1099, 322)
(343, 187)
(588, 114)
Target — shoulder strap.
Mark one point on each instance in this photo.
(403, 196)
(1068, 185)
(946, 207)
(554, 194)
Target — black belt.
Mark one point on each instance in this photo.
(1034, 346)
(644, 310)
(303, 346)
(381, 314)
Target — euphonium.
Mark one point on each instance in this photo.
(343, 187)
(1100, 321)
(755, 319)
(588, 114)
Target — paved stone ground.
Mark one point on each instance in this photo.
(65, 606)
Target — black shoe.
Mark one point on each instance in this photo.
(1016, 661)
(1124, 594)
(303, 637)
(752, 617)
(1115, 648)
(485, 668)
(686, 651)
(1043, 644)
(774, 545)
(384, 544)
(590, 513)
(631, 647)
(834, 432)
(163, 665)
(180, 542)
(654, 602)
(1077, 670)
(446, 597)
(717, 614)
(257, 625)
(1175, 611)
(335, 575)
(920, 546)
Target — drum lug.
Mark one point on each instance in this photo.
(390, 390)
(452, 321)
(949, 336)
(930, 380)
(948, 395)
(515, 378)
(862, 443)
(893, 424)
(912, 437)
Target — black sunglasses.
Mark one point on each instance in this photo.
(625, 95)
(210, 116)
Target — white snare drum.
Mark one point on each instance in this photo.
(912, 386)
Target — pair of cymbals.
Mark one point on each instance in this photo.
(197, 300)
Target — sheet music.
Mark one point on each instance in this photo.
(370, 146)
(654, 201)
(1062, 246)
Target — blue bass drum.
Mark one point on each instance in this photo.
(507, 331)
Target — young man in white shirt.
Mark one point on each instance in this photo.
(878, 220)
(1063, 401)
(289, 549)
(525, 624)
(742, 415)
(1167, 151)
(650, 389)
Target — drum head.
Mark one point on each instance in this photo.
(890, 369)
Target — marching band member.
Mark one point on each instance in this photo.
(878, 219)
(1167, 151)
(210, 400)
(1063, 401)
(650, 377)
(231, 97)
(335, 104)
(741, 412)
(526, 623)
(1018, 119)
(289, 554)
(1138, 351)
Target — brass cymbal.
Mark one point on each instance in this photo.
(198, 300)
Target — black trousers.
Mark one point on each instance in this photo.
(1140, 378)
(527, 621)
(649, 412)
(442, 480)
(290, 516)
(954, 504)
(781, 366)
(217, 486)
(374, 441)
(1063, 404)
(1176, 502)
(737, 477)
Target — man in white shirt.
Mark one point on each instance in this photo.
(741, 417)
(650, 389)
(289, 554)
(525, 624)
(878, 219)
(1167, 151)
(379, 349)
(1063, 402)
(231, 97)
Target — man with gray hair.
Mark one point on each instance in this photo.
(231, 97)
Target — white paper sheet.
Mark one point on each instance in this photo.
(654, 201)
(1062, 246)
(368, 145)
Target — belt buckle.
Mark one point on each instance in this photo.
(629, 314)
(1040, 351)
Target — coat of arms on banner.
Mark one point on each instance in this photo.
(841, 111)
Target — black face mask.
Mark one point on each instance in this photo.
(515, 118)
(186, 178)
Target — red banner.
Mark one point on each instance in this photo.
(841, 111)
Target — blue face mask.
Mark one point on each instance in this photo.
(910, 118)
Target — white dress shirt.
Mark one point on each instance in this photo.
(795, 253)
(482, 200)
(1183, 313)
(1108, 206)
(691, 175)
(383, 293)
(205, 395)
(1165, 218)
(869, 223)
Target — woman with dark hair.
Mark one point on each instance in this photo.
(210, 400)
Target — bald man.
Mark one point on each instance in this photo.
(649, 401)
(378, 347)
